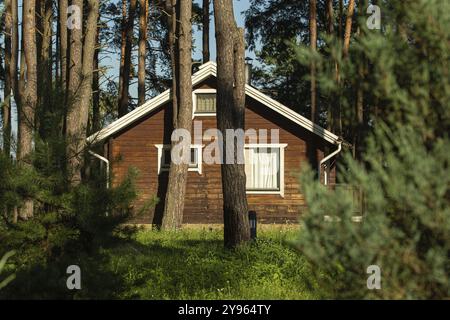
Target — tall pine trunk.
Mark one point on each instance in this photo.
(205, 31)
(123, 44)
(29, 98)
(63, 41)
(9, 74)
(359, 105)
(176, 190)
(96, 86)
(123, 95)
(313, 43)
(331, 110)
(143, 17)
(45, 69)
(348, 27)
(230, 115)
(75, 140)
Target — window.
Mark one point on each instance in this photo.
(164, 158)
(204, 102)
(264, 168)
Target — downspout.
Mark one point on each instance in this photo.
(324, 160)
(107, 165)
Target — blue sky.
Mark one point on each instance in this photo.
(239, 7)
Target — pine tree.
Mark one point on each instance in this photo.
(401, 185)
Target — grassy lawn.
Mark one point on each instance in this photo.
(192, 264)
(188, 264)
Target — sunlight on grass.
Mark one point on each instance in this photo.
(192, 264)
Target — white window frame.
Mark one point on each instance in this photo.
(281, 147)
(194, 103)
(197, 147)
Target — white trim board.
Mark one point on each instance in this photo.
(206, 70)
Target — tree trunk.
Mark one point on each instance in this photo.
(331, 109)
(45, 69)
(171, 8)
(176, 190)
(205, 32)
(341, 17)
(123, 45)
(96, 87)
(75, 140)
(348, 27)
(85, 92)
(63, 4)
(9, 74)
(15, 51)
(123, 97)
(313, 39)
(29, 99)
(143, 17)
(230, 115)
(359, 106)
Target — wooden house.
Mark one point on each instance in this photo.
(141, 139)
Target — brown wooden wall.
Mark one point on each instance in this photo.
(135, 147)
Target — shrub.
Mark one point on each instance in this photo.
(403, 172)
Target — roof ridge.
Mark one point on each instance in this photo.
(205, 70)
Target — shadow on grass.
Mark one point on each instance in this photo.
(171, 266)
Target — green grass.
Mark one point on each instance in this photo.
(188, 264)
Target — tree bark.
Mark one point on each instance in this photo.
(29, 99)
(123, 97)
(85, 92)
(313, 40)
(359, 106)
(9, 74)
(96, 86)
(75, 140)
(45, 68)
(143, 17)
(171, 8)
(176, 190)
(230, 115)
(348, 27)
(63, 38)
(88, 71)
(331, 110)
(15, 51)
(123, 45)
(205, 31)
(341, 17)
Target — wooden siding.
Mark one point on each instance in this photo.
(135, 147)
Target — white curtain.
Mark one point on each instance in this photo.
(262, 168)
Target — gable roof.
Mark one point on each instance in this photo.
(206, 70)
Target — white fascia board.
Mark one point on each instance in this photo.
(292, 115)
(205, 71)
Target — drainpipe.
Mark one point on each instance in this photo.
(107, 165)
(324, 160)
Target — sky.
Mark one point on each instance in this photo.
(239, 7)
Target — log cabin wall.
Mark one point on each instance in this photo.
(135, 147)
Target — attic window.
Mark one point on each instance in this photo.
(204, 102)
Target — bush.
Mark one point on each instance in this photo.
(403, 172)
(68, 222)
